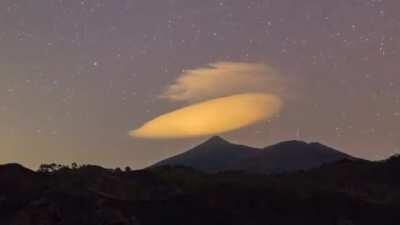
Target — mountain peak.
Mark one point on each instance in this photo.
(292, 143)
(303, 147)
(216, 140)
(211, 155)
(12, 168)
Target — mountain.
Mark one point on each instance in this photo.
(290, 156)
(16, 178)
(213, 155)
(217, 154)
(13, 170)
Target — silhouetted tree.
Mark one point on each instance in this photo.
(49, 168)
(118, 170)
(128, 169)
(74, 166)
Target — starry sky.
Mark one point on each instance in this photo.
(77, 76)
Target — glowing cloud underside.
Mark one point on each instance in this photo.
(211, 117)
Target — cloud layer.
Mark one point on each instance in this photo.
(211, 117)
(241, 94)
(222, 79)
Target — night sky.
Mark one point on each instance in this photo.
(77, 78)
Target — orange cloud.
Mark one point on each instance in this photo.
(212, 117)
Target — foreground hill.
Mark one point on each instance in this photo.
(346, 192)
(217, 154)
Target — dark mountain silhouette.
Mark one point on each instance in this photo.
(13, 170)
(217, 154)
(22, 178)
(345, 192)
(290, 156)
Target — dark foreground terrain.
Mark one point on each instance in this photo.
(345, 192)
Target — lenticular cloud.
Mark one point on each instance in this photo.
(211, 117)
(223, 79)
